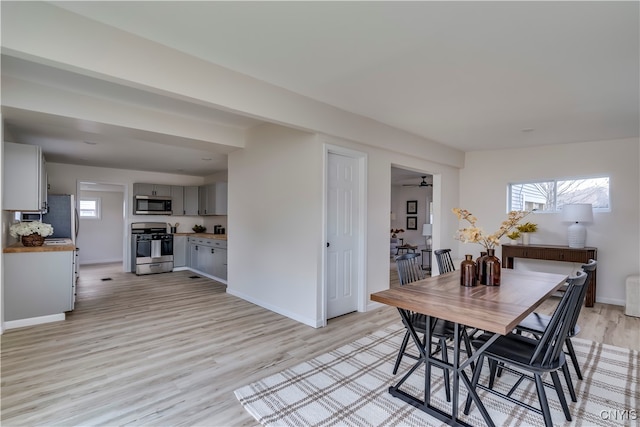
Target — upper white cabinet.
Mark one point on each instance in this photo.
(191, 200)
(221, 198)
(207, 199)
(213, 199)
(25, 178)
(177, 200)
(151, 189)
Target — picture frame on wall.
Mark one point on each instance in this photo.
(412, 206)
(412, 223)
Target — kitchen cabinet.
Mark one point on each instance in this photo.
(221, 198)
(177, 200)
(205, 259)
(25, 169)
(191, 200)
(35, 292)
(208, 257)
(179, 251)
(213, 199)
(219, 268)
(207, 199)
(151, 189)
(192, 262)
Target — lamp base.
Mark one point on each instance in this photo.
(577, 235)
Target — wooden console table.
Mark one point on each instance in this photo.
(554, 253)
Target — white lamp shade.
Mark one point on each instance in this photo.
(578, 212)
(426, 229)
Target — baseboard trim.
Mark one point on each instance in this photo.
(294, 316)
(217, 279)
(372, 305)
(21, 323)
(612, 301)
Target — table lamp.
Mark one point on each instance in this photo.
(577, 214)
(426, 231)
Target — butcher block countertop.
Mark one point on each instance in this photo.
(203, 235)
(67, 245)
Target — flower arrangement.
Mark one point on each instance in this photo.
(527, 227)
(514, 235)
(475, 234)
(28, 228)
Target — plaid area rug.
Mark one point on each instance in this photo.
(349, 387)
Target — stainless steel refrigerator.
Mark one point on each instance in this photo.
(63, 216)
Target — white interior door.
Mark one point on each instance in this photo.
(343, 226)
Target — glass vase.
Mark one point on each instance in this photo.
(492, 269)
(468, 272)
(480, 267)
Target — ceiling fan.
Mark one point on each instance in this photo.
(424, 183)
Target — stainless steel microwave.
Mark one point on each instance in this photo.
(151, 205)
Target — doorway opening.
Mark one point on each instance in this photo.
(412, 215)
(102, 208)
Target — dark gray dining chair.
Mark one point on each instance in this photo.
(526, 357)
(536, 323)
(445, 263)
(409, 271)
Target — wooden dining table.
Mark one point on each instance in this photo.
(495, 309)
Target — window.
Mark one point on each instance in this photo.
(550, 196)
(90, 208)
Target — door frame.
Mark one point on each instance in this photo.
(126, 242)
(361, 158)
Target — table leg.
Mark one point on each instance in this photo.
(456, 367)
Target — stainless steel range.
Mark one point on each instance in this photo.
(151, 248)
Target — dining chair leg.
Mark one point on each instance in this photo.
(493, 365)
(542, 398)
(445, 359)
(560, 392)
(474, 383)
(574, 358)
(403, 348)
(567, 377)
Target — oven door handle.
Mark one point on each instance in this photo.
(156, 248)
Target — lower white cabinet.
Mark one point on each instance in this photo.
(179, 251)
(220, 263)
(38, 284)
(208, 257)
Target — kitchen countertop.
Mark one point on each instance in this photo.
(47, 247)
(203, 235)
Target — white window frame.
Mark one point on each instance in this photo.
(98, 203)
(555, 181)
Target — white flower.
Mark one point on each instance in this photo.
(476, 234)
(33, 227)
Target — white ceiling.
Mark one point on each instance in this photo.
(471, 75)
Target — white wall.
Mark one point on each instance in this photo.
(276, 241)
(100, 240)
(616, 234)
(275, 221)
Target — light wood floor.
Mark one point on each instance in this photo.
(170, 350)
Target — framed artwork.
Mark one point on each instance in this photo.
(412, 206)
(412, 223)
